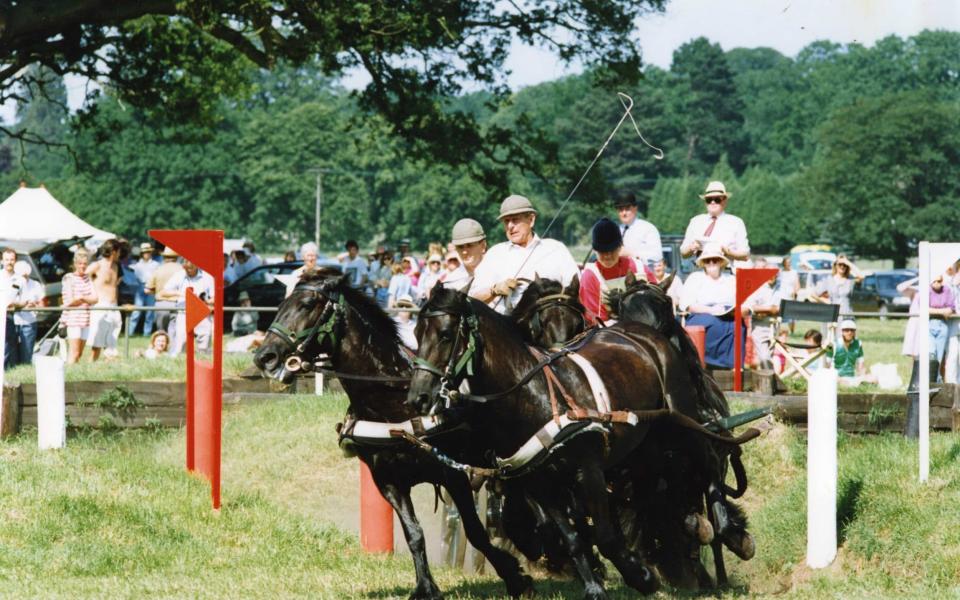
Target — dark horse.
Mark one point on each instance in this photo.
(642, 371)
(324, 315)
(648, 303)
(549, 314)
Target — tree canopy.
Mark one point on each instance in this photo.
(842, 143)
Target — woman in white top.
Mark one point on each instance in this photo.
(709, 297)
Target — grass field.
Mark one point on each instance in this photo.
(114, 515)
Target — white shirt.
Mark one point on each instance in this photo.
(9, 286)
(356, 268)
(405, 329)
(30, 291)
(457, 278)
(548, 258)
(641, 240)
(700, 289)
(729, 231)
(788, 283)
(179, 282)
(764, 296)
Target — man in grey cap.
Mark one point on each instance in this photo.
(470, 241)
(523, 256)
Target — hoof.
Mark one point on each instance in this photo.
(742, 545)
(699, 527)
(521, 587)
(644, 581)
(426, 592)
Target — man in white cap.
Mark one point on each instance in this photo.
(470, 242)
(523, 256)
(717, 226)
(143, 269)
(641, 240)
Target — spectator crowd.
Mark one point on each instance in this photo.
(495, 271)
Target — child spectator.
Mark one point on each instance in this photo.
(847, 356)
(814, 339)
(159, 345)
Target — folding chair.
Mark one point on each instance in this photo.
(803, 311)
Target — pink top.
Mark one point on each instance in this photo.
(75, 286)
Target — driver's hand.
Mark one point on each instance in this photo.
(505, 287)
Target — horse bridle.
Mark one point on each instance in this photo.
(457, 368)
(328, 326)
(559, 300)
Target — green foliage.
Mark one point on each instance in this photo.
(842, 142)
(119, 398)
(885, 172)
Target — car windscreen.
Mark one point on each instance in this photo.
(890, 282)
(263, 276)
(53, 262)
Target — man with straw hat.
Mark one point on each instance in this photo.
(523, 256)
(143, 269)
(716, 226)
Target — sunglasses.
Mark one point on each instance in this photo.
(714, 200)
(712, 261)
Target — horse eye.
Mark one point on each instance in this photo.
(308, 303)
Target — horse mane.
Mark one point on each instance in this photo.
(540, 288)
(381, 325)
(702, 380)
(453, 301)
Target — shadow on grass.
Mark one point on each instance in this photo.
(950, 456)
(848, 505)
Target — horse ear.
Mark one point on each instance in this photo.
(630, 279)
(536, 279)
(466, 287)
(342, 280)
(667, 281)
(573, 288)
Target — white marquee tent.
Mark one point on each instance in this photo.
(34, 214)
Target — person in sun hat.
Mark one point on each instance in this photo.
(641, 240)
(405, 322)
(709, 297)
(430, 276)
(497, 281)
(609, 272)
(716, 226)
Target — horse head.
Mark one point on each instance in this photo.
(449, 345)
(307, 324)
(548, 314)
(643, 302)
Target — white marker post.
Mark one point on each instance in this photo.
(923, 352)
(822, 468)
(51, 402)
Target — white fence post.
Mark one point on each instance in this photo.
(3, 350)
(318, 383)
(822, 468)
(923, 352)
(51, 402)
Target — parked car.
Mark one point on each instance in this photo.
(878, 292)
(264, 289)
(49, 262)
(809, 281)
(671, 255)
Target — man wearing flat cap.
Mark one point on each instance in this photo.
(523, 256)
(470, 242)
(641, 240)
(716, 226)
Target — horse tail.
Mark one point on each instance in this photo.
(711, 400)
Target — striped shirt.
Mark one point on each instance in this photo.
(75, 286)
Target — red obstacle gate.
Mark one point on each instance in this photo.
(203, 248)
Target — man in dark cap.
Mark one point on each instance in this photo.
(641, 240)
(609, 272)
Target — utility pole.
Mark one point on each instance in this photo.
(318, 205)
